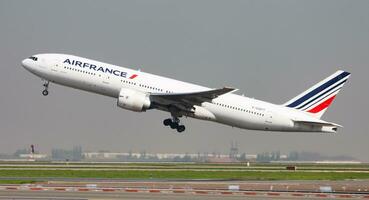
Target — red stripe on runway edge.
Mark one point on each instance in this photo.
(36, 189)
(321, 195)
(345, 196)
(250, 193)
(226, 192)
(131, 190)
(108, 190)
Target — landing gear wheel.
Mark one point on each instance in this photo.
(181, 128)
(45, 92)
(167, 122)
(174, 125)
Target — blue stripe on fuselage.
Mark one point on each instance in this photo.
(318, 89)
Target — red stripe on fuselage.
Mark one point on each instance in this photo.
(133, 76)
(323, 105)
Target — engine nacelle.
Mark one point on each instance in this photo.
(202, 113)
(133, 100)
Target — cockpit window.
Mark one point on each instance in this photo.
(33, 58)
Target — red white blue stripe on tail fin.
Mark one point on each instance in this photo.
(317, 99)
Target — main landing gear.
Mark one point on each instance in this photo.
(174, 124)
(45, 92)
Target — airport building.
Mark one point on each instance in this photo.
(33, 156)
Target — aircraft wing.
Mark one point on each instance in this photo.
(189, 99)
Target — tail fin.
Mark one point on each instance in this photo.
(317, 99)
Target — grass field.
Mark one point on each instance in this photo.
(238, 171)
(16, 181)
(240, 166)
(187, 174)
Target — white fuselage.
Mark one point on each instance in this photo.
(106, 79)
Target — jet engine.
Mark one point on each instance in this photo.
(201, 113)
(133, 100)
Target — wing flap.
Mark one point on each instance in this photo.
(193, 98)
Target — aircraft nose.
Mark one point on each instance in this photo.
(24, 63)
(27, 64)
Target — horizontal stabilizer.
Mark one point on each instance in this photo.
(318, 123)
(316, 126)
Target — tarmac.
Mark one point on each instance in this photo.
(79, 195)
(92, 191)
(345, 186)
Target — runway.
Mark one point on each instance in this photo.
(74, 192)
(114, 186)
(345, 186)
(59, 195)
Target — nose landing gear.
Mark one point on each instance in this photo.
(174, 124)
(45, 92)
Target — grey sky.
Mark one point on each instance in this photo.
(270, 50)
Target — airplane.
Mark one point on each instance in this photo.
(140, 91)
